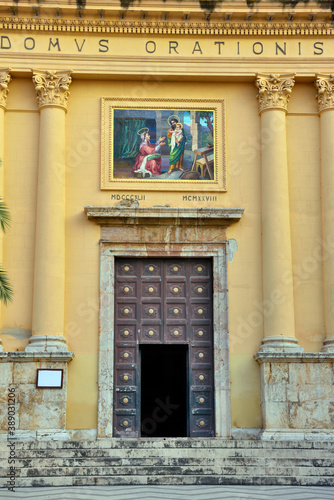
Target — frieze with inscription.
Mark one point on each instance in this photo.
(161, 47)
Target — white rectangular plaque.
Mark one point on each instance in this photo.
(49, 379)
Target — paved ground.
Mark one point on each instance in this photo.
(173, 493)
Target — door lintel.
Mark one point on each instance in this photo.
(163, 216)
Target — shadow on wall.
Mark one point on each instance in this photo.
(15, 339)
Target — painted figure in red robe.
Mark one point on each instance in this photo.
(148, 161)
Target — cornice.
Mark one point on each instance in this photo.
(141, 27)
(291, 357)
(113, 216)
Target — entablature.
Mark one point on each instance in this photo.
(160, 18)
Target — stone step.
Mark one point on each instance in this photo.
(159, 470)
(171, 480)
(158, 443)
(168, 461)
(218, 453)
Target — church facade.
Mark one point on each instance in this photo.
(169, 171)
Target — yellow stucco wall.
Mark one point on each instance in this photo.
(83, 124)
(20, 188)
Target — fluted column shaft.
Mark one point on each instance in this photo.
(49, 274)
(325, 96)
(278, 300)
(5, 79)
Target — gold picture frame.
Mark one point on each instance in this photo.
(163, 144)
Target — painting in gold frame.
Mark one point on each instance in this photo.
(163, 144)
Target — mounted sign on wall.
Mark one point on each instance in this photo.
(157, 144)
(49, 379)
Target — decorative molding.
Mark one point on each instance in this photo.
(274, 91)
(325, 96)
(29, 357)
(294, 357)
(162, 216)
(52, 88)
(5, 78)
(187, 28)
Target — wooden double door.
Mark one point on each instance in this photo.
(163, 348)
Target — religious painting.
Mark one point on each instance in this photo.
(169, 144)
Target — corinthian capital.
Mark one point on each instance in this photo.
(52, 88)
(274, 91)
(5, 78)
(325, 95)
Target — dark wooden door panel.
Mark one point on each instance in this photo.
(175, 325)
(200, 321)
(163, 301)
(127, 309)
(150, 329)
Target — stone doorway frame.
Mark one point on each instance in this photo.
(163, 232)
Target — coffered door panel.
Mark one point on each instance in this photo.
(200, 324)
(151, 301)
(126, 355)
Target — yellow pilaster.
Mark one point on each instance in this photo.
(49, 275)
(5, 79)
(278, 300)
(325, 95)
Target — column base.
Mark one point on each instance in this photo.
(327, 347)
(47, 343)
(280, 344)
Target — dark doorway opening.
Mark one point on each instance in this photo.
(164, 390)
